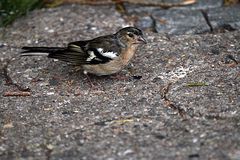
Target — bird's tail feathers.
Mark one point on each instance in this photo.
(64, 54)
(39, 51)
(34, 54)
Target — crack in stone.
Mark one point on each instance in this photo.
(153, 24)
(205, 15)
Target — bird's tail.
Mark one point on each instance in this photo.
(63, 54)
(40, 51)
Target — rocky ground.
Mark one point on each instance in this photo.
(179, 98)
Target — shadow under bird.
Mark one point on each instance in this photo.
(103, 55)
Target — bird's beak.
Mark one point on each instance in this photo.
(140, 39)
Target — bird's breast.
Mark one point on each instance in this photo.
(108, 68)
(127, 54)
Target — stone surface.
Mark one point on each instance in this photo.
(133, 9)
(145, 22)
(199, 5)
(176, 22)
(187, 19)
(91, 19)
(180, 99)
(226, 17)
(203, 4)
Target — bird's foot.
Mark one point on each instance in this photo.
(120, 77)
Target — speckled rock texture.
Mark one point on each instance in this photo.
(179, 98)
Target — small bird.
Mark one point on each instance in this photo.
(103, 55)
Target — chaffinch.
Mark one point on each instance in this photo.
(103, 55)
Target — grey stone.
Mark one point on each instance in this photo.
(145, 22)
(225, 17)
(141, 9)
(134, 9)
(203, 5)
(180, 22)
(199, 5)
(119, 119)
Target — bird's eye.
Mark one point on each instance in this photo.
(130, 35)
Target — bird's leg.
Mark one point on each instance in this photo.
(93, 87)
(89, 79)
(120, 77)
(78, 68)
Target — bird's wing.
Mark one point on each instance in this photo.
(73, 54)
(105, 48)
(96, 51)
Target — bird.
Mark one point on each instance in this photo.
(104, 55)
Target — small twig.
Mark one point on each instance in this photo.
(169, 103)
(196, 84)
(9, 80)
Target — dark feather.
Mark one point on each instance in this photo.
(41, 49)
(78, 52)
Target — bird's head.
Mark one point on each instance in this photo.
(131, 36)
